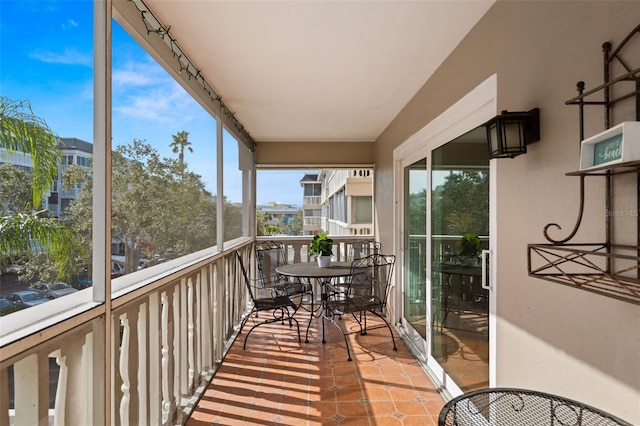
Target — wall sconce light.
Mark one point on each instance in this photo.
(509, 133)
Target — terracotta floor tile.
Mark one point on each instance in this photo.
(323, 409)
(418, 421)
(386, 421)
(411, 408)
(377, 394)
(403, 393)
(278, 380)
(382, 408)
(352, 409)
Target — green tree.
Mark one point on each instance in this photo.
(296, 225)
(180, 142)
(261, 222)
(22, 131)
(461, 204)
(232, 220)
(270, 230)
(28, 234)
(159, 209)
(418, 209)
(16, 194)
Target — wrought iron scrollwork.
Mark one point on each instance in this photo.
(578, 222)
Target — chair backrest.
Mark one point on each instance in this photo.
(360, 249)
(370, 279)
(508, 406)
(269, 255)
(245, 276)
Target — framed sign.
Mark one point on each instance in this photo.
(618, 144)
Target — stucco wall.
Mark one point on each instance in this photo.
(549, 337)
(313, 153)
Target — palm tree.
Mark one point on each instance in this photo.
(22, 131)
(180, 142)
(23, 233)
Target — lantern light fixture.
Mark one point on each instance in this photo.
(509, 133)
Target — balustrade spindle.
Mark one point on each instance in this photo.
(124, 371)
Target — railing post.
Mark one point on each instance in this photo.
(155, 354)
(182, 340)
(142, 376)
(123, 368)
(217, 290)
(72, 395)
(4, 402)
(190, 358)
(31, 397)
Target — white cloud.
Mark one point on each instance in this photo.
(165, 103)
(71, 23)
(68, 56)
(138, 73)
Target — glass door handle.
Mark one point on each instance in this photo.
(486, 254)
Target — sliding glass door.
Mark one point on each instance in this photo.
(415, 243)
(445, 229)
(459, 232)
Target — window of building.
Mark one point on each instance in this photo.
(312, 189)
(362, 209)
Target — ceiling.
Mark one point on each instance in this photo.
(317, 70)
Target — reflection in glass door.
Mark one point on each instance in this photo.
(459, 232)
(415, 243)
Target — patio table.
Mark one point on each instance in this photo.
(310, 271)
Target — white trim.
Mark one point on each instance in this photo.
(471, 111)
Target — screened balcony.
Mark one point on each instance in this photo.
(175, 353)
(400, 88)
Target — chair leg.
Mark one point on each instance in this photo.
(245, 319)
(344, 335)
(306, 336)
(395, 348)
(291, 318)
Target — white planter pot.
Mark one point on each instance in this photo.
(324, 261)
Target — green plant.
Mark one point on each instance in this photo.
(470, 245)
(321, 245)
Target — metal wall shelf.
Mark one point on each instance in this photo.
(608, 269)
(586, 266)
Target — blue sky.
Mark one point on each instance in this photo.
(46, 57)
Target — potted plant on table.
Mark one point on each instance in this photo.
(321, 247)
(470, 249)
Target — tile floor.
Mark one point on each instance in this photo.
(278, 380)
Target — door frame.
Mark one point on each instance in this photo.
(471, 111)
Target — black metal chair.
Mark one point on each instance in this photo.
(270, 255)
(282, 307)
(521, 407)
(364, 292)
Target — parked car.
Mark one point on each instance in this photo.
(53, 290)
(81, 281)
(117, 269)
(27, 298)
(6, 307)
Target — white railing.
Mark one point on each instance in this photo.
(297, 247)
(167, 338)
(314, 220)
(311, 200)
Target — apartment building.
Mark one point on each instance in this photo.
(347, 201)
(74, 151)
